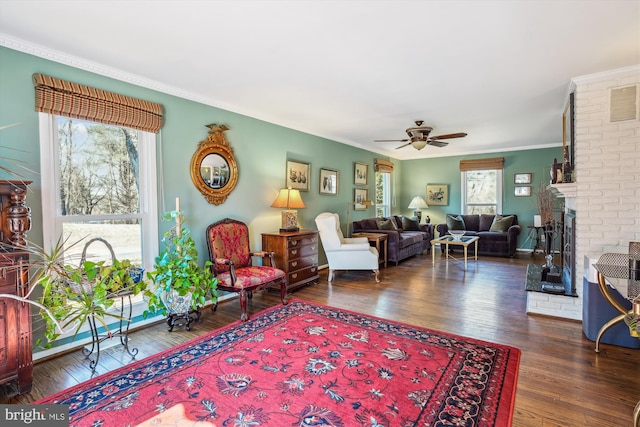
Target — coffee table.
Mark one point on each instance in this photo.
(448, 240)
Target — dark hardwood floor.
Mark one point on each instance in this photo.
(562, 381)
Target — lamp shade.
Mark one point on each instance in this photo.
(288, 199)
(418, 203)
(419, 144)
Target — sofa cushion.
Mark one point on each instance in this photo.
(410, 224)
(471, 222)
(485, 222)
(386, 224)
(411, 238)
(455, 222)
(501, 223)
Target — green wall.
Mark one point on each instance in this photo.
(261, 150)
(416, 174)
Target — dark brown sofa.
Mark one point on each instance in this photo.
(402, 243)
(496, 243)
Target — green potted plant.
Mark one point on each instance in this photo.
(71, 294)
(182, 286)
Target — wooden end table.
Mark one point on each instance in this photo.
(379, 239)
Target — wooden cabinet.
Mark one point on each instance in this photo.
(296, 254)
(16, 362)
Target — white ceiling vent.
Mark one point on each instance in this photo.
(624, 104)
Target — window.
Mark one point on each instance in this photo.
(383, 169)
(99, 180)
(482, 191)
(383, 196)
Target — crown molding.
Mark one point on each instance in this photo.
(596, 77)
(100, 69)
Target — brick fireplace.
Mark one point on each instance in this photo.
(605, 197)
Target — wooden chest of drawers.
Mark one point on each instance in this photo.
(296, 254)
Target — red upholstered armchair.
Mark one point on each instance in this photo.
(228, 242)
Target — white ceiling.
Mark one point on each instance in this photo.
(351, 71)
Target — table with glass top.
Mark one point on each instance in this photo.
(622, 271)
(449, 240)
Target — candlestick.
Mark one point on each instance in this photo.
(178, 216)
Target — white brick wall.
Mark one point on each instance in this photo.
(607, 174)
(607, 171)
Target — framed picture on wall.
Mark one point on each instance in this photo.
(298, 175)
(360, 173)
(328, 181)
(522, 178)
(438, 194)
(359, 196)
(522, 191)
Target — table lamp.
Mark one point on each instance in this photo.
(289, 199)
(418, 203)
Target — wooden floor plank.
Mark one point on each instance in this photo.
(562, 381)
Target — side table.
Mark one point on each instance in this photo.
(615, 268)
(378, 239)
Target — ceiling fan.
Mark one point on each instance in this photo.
(419, 137)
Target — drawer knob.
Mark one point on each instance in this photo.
(294, 242)
(313, 269)
(313, 248)
(294, 252)
(294, 276)
(294, 264)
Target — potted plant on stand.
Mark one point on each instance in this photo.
(71, 296)
(182, 286)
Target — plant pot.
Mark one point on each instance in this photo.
(179, 311)
(176, 304)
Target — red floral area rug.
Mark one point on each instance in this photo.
(305, 364)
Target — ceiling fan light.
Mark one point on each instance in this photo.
(419, 144)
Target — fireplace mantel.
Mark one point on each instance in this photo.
(563, 190)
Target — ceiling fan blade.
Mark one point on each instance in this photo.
(404, 145)
(436, 143)
(390, 140)
(450, 135)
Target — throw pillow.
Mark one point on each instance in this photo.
(410, 224)
(501, 223)
(455, 222)
(386, 224)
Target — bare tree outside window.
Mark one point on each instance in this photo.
(481, 191)
(99, 185)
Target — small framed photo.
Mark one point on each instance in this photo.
(522, 191)
(522, 178)
(360, 173)
(359, 196)
(437, 194)
(298, 175)
(328, 181)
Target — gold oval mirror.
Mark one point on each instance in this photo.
(214, 170)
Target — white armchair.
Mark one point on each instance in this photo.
(345, 253)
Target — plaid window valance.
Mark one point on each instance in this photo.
(482, 164)
(60, 97)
